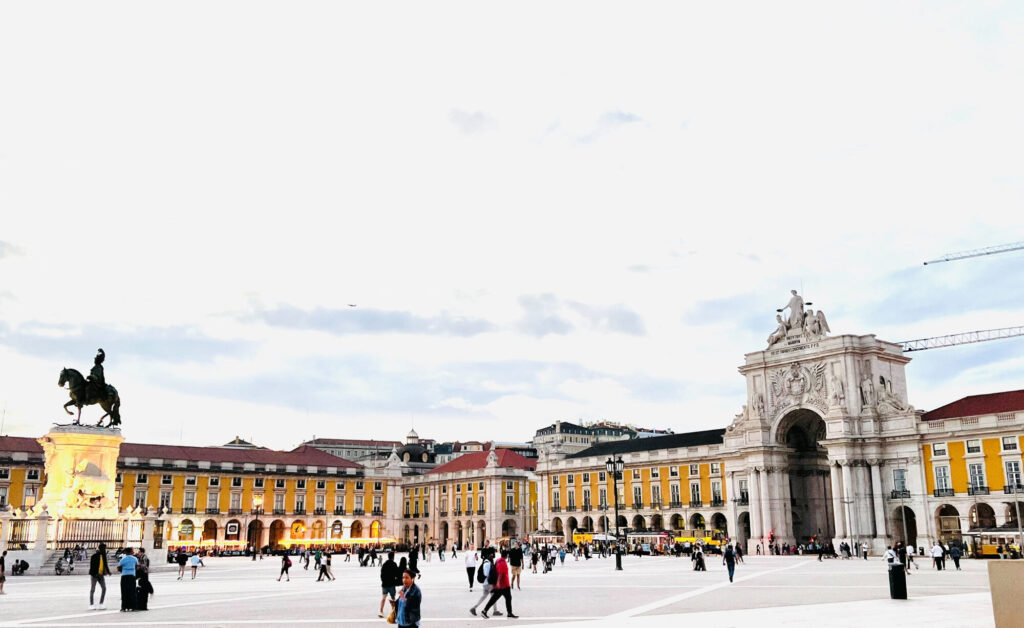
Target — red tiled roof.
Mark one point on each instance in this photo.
(304, 455)
(478, 460)
(20, 443)
(354, 441)
(975, 405)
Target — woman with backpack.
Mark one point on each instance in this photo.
(286, 563)
(487, 575)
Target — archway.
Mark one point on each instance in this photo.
(719, 522)
(458, 533)
(982, 517)
(276, 532)
(622, 521)
(639, 523)
(298, 530)
(233, 530)
(255, 534)
(657, 523)
(375, 530)
(317, 530)
(587, 524)
(210, 530)
(1011, 514)
(556, 526)
(744, 528)
(407, 534)
(481, 537)
(571, 525)
(356, 530)
(415, 533)
(603, 524)
(677, 521)
(947, 522)
(810, 488)
(697, 521)
(508, 528)
(337, 530)
(444, 533)
(904, 516)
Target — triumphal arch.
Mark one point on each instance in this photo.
(826, 421)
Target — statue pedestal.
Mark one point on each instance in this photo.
(81, 465)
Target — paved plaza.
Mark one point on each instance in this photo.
(651, 591)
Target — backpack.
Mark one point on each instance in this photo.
(728, 553)
(480, 577)
(287, 561)
(492, 576)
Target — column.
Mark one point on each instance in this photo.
(731, 495)
(785, 505)
(852, 529)
(756, 531)
(767, 517)
(837, 501)
(39, 551)
(876, 494)
(5, 528)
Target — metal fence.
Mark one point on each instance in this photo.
(22, 533)
(89, 533)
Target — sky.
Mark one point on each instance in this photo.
(287, 220)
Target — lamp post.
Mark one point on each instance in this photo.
(614, 468)
(257, 502)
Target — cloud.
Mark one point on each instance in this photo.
(608, 123)
(472, 123)
(74, 346)
(615, 318)
(547, 314)
(370, 321)
(541, 316)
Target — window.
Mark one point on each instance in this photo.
(378, 486)
(458, 504)
(570, 479)
(695, 492)
(976, 474)
(636, 474)
(716, 468)
(190, 480)
(236, 482)
(694, 469)
(140, 498)
(33, 474)
(673, 492)
(655, 472)
(481, 486)
(321, 485)
(142, 478)
(117, 477)
(444, 489)
(167, 480)
(673, 472)
(213, 500)
(1009, 444)
(509, 502)
(279, 483)
(586, 478)
(942, 477)
(300, 501)
(637, 496)
(1013, 473)
(509, 486)
(214, 480)
(236, 501)
(3, 496)
(939, 449)
(655, 494)
(554, 480)
(974, 446)
(339, 501)
(359, 485)
(602, 476)
(555, 500)
(716, 490)
(190, 499)
(571, 499)
(376, 503)
(165, 499)
(480, 503)
(899, 479)
(278, 501)
(339, 486)
(30, 496)
(300, 485)
(743, 490)
(602, 496)
(257, 483)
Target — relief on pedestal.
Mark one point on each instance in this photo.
(81, 465)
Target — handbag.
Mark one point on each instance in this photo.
(391, 616)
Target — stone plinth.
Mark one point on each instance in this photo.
(81, 465)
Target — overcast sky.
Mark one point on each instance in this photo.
(541, 211)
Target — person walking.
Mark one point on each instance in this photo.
(502, 588)
(390, 580)
(910, 558)
(487, 576)
(127, 566)
(937, 556)
(729, 560)
(99, 569)
(470, 566)
(414, 558)
(318, 558)
(194, 561)
(739, 553)
(3, 570)
(328, 566)
(515, 561)
(864, 550)
(286, 564)
(182, 559)
(955, 554)
(407, 614)
(453, 551)
(534, 558)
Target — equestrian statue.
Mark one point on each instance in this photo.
(92, 390)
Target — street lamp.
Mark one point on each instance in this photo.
(257, 502)
(614, 468)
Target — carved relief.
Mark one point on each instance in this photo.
(888, 402)
(798, 384)
(837, 396)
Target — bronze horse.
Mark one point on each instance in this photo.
(79, 389)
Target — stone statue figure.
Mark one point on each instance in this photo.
(886, 397)
(811, 326)
(838, 392)
(94, 390)
(796, 310)
(780, 331)
(822, 323)
(867, 392)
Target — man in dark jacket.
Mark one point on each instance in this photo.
(99, 568)
(390, 580)
(408, 612)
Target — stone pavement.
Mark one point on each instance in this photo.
(769, 591)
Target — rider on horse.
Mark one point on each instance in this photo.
(97, 389)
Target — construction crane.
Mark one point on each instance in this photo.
(965, 338)
(990, 250)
